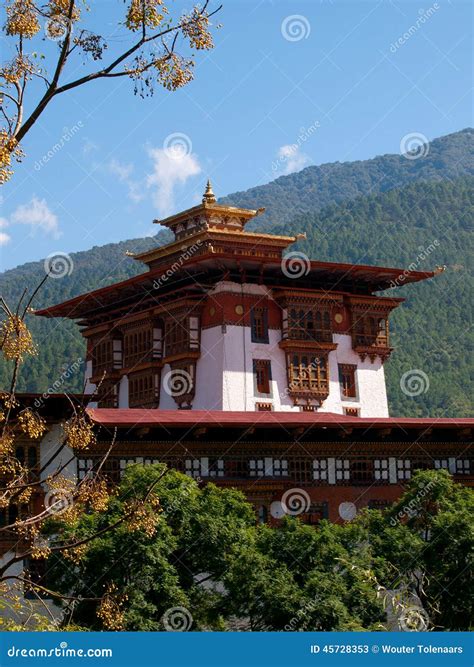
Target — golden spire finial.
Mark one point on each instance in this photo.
(208, 196)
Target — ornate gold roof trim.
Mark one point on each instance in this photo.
(183, 245)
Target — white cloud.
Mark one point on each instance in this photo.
(38, 215)
(88, 147)
(170, 168)
(123, 173)
(4, 238)
(291, 159)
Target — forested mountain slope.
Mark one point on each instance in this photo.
(315, 187)
(426, 220)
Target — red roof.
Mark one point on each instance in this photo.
(131, 417)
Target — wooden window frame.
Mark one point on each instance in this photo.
(463, 467)
(320, 470)
(312, 323)
(257, 468)
(144, 389)
(403, 470)
(342, 470)
(262, 374)
(280, 467)
(381, 470)
(259, 324)
(352, 412)
(300, 470)
(361, 472)
(348, 381)
(141, 344)
(307, 374)
(177, 335)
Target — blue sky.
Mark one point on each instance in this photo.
(335, 81)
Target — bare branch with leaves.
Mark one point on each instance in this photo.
(150, 56)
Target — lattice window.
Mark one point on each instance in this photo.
(381, 469)
(320, 470)
(84, 466)
(352, 412)
(463, 467)
(301, 470)
(141, 345)
(421, 464)
(257, 467)
(347, 380)
(144, 390)
(263, 407)
(342, 470)
(102, 356)
(262, 376)
(371, 330)
(308, 373)
(236, 468)
(441, 464)
(403, 469)
(177, 335)
(259, 324)
(312, 323)
(124, 463)
(107, 395)
(361, 472)
(193, 467)
(280, 468)
(216, 467)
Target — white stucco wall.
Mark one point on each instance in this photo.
(370, 379)
(123, 392)
(209, 375)
(225, 375)
(48, 446)
(224, 371)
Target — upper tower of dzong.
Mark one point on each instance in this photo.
(226, 319)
